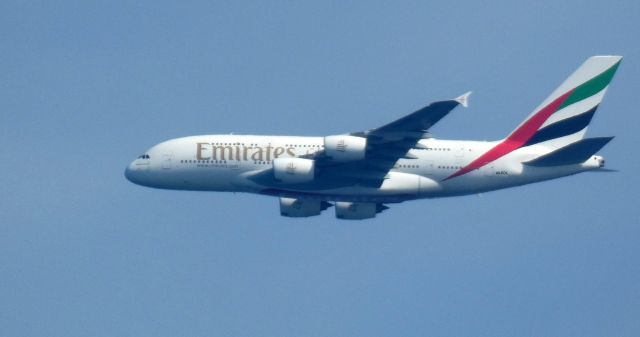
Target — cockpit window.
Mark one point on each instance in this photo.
(144, 156)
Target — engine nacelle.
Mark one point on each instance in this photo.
(344, 148)
(299, 208)
(358, 210)
(408, 183)
(293, 170)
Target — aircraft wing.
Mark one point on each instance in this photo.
(390, 142)
(421, 120)
(385, 145)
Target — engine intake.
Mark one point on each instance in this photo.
(344, 148)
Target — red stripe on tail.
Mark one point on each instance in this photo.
(516, 139)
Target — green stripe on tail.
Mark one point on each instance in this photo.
(592, 86)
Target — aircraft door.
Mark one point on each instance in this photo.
(429, 169)
(166, 161)
(459, 154)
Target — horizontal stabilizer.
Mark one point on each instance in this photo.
(574, 153)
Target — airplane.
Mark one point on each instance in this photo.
(361, 173)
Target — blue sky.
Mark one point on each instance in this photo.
(87, 86)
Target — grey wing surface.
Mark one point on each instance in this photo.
(385, 146)
(390, 142)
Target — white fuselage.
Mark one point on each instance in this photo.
(224, 163)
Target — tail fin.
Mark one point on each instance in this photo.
(563, 117)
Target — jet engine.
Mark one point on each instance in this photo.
(293, 170)
(344, 148)
(299, 208)
(358, 210)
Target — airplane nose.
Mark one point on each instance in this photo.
(138, 172)
(135, 173)
(129, 173)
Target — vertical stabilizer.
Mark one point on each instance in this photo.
(564, 116)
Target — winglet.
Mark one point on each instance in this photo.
(464, 99)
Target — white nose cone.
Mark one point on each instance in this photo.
(138, 172)
(130, 173)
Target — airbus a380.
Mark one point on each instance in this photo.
(358, 173)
